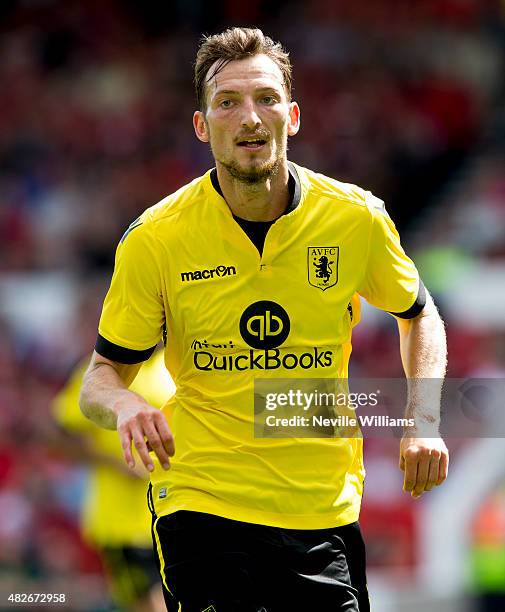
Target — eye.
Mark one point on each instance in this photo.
(226, 104)
(268, 100)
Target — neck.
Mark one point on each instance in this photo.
(262, 201)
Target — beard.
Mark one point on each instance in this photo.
(254, 175)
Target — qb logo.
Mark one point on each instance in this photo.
(264, 325)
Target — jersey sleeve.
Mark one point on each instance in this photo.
(391, 281)
(133, 314)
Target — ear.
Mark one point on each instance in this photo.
(200, 126)
(294, 119)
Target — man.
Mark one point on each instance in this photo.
(229, 269)
(115, 519)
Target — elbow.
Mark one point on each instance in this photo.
(88, 393)
(83, 398)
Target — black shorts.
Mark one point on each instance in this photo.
(131, 573)
(212, 564)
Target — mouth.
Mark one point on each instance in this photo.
(252, 144)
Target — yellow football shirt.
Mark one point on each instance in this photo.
(115, 509)
(187, 271)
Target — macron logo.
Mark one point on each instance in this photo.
(218, 272)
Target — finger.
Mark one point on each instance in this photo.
(140, 444)
(423, 468)
(126, 445)
(155, 444)
(433, 473)
(166, 435)
(410, 470)
(443, 468)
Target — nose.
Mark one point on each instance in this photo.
(250, 118)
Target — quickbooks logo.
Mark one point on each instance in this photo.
(217, 272)
(264, 326)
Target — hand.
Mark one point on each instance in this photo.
(148, 429)
(425, 462)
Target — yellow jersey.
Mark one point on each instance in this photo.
(186, 271)
(115, 511)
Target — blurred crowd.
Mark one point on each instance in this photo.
(96, 98)
(96, 108)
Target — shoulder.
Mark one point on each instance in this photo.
(187, 196)
(337, 192)
(168, 209)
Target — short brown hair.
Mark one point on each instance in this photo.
(236, 44)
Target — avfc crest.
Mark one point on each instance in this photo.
(322, 265)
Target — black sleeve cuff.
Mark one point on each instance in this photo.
(114, 352)
(416, 307)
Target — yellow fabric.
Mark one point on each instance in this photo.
(115, 511)
(219, 466)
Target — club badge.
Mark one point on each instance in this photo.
(322, 265)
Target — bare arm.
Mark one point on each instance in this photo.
(107, 401)
(423, 454)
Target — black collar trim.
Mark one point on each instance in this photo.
(294, 187)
